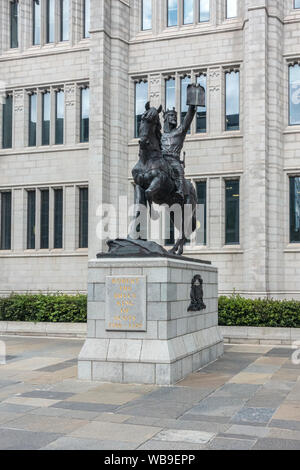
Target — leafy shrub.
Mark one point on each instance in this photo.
(238, 311)
(44, 308)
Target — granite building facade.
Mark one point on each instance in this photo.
(74, 77)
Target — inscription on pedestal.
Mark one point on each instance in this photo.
(126, 303)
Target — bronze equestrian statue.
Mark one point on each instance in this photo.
(159, 178)
(159, 173)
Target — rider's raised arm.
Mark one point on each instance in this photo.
(189, 118)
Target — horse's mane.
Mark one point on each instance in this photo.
(158, 132)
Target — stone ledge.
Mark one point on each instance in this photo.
(260, 335)
(67, 330)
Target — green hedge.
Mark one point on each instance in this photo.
(44, 308)
(237, 311)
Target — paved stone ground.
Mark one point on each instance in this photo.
(249, 399)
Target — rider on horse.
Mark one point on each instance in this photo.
(172, 142)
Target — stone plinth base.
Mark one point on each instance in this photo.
(176, 342)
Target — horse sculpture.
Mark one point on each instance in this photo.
(154, 179)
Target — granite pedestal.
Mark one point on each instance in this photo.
(139, 327)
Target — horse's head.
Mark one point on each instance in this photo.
(150, 127)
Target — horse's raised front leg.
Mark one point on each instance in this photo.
(154, 187)
(138, 227)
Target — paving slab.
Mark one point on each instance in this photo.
(222, 443)
(218, 406)
(75, 443)
(47, 394)
(288, 411)
(152, 408)
(258, 416)
(250, 378)
(249, 431)
(184, 435)
(11, 439)
(104, 397)
(285, 424)
(276, 444)
(84, 406)
(164, 445)
(30, 422)
(237, 390)
(116, 432)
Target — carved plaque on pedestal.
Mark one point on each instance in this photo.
(126, 303)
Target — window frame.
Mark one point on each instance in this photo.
(48, 93)
(58, 225)
(226, 72)
(167, 16)
(199, 13)
(226, 242)
(61, 21)
(3, 215)
(32, 140)
(48, 15)
(142, 16)
(86, 31)
(290, 66)
(294, 5)
(290, 241)
(81, 219)
(14, 35)
(41, 246)
(31, 234)
(138, 82)
(57, 122)
(10, 137)
(82, 127)
(34, 23)
(198, 182)
(229, 18)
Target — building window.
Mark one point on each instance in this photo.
(146, 15)
(14, 13)
(232, 212)
(31, 220)
(83, 217)
(172, 12)
(44, 220)
(170, 100)
(232, 97)
(5, 221)
(59, 117)
(46, 114)
(85, 114)
(204, 11)
(188, 11)
(201, 238)
(141, 98)
(294, 100)
(183, 93)
(201, 110)
(36, 14)
(87, 18)
(296, 3)
(64, 20)
(7, 118)
(32, 119)
(58, 218)
(50, 20)
(170, 225)
(295, 209)
(231, 9)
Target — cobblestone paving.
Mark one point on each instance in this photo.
(248, 399)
